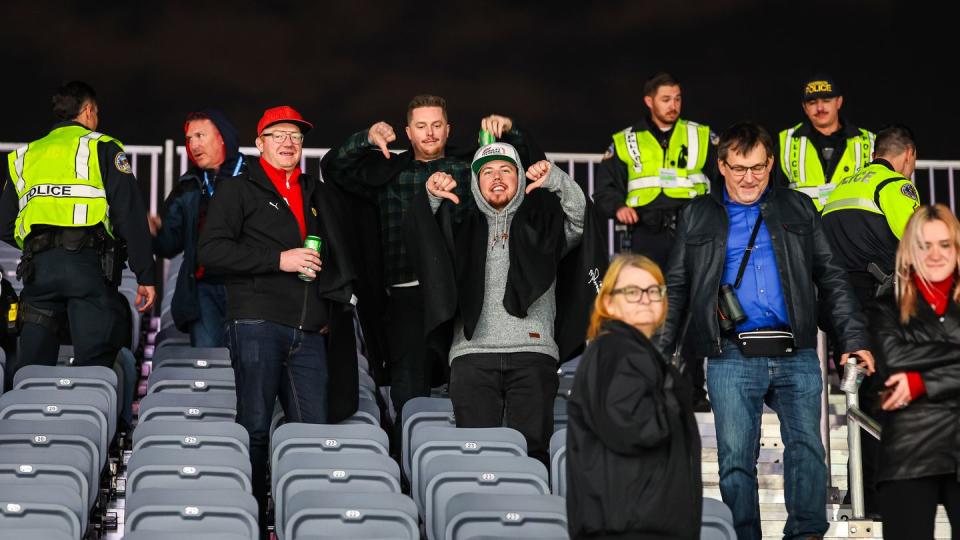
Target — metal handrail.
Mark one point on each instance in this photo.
(857, 419)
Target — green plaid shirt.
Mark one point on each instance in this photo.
(394, 198)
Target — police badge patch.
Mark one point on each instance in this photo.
(122, 163)
(909, 191)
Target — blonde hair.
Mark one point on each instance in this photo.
(910, 255)
(600, 313)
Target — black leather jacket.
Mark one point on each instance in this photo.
(805, 261)
(920, 440)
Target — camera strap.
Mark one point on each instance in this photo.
(749, 250)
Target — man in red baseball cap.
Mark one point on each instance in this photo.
(283, 331)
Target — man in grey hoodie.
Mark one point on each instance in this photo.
(506, 371)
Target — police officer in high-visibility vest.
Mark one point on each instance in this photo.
(825, 148)
(864, 218)
(71, 202)
(653, 168)
(649, 172)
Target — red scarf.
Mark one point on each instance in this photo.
(289, 189)
(937, 294)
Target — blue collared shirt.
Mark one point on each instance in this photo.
(760, 292)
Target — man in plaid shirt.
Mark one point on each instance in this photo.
(363, 165)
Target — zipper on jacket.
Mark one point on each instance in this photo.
(303, 310)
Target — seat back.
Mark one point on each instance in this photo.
(351, 515)
(450, 475)
(472, 516)
(422, 411)
(326, 439)
(717, 521)
(192, 357)
(215, 407)
(191, 380)
(336, 473)
(186, 435)
(59, 468)
(187, 470)
(33, 436)
(68, 378)
(192, 512)
(558, 462)
(431, 441)
(55, 405)
(36, 512)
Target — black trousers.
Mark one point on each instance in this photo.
(512, 389)
(72, 283)
(910, 506)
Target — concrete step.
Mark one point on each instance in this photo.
(842, 529)
(771, 467)
(770, 455)
(769, 481)
(836, 443)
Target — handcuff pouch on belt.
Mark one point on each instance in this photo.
(112, 252)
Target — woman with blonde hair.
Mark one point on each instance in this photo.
(917, 328)
(633, 447)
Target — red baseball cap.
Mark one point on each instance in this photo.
(283, 113)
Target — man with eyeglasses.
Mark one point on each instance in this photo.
(651, 170)
(744, 274)
(199, 303)
(825, 148)
(384, 184)
(289, 337)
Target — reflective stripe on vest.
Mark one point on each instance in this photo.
(858, 203)
(59, 181)
(651, 171)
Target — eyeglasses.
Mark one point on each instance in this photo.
(280, 136)
(635, 294)
(741, 170)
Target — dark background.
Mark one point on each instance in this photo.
(571, 74)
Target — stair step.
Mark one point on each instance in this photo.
(771, 455)
(836, 443)
(768, 481)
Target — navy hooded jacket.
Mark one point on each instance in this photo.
(181, 219)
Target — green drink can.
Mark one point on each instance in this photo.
(486, 138)
(314, 243)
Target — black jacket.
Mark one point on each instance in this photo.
(633, 447)
(248, 226)
(805, 262)
(922, 439)
(128, 214)
(450, 258)
(181, 222)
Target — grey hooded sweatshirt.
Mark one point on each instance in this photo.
(497, 331)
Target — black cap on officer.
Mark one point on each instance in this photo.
(819, 86)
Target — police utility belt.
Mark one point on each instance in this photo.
(73, 239)
(764, 342)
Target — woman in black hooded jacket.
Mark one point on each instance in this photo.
(633, 447)
(917, 332)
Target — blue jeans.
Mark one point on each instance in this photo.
(792, 387)
(273, 360)
(207, 331)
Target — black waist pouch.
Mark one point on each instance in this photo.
(766, 343)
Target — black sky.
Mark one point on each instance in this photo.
(571, 73)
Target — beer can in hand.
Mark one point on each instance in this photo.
(314, 243)
(853, 375)
(486, 138)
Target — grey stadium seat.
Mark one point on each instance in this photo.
(449, 475)
(186, 435)
(190, 380)
(368, 412)
(28, 435)
(422, 411)
(196, 357)
(58, 468)
(315, 514)
(68, 378)
(325, 439)
(558, 462)
(39, 513)
(431, 441)
(336, 473)
(192, 512)
(559, 413)
(187, 470)
(215, 407)
(159, 535)
(717, 521)
(56, 405)
(474, 516)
